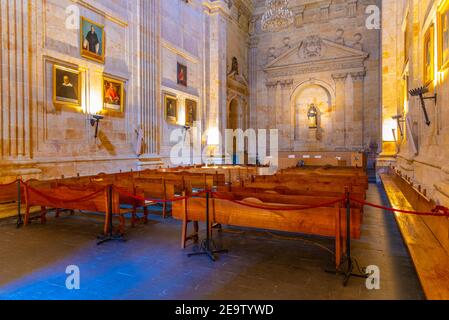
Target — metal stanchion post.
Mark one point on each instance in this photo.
(19, 203)
(208, 245)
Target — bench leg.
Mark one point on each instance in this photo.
(164, 210)
(145, 215)
(58, 213)
(27, 216)
(184, 234)
(122, 224)
(43, 215)
(134, 217)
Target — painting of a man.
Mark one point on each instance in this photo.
(171, 109)
(113, 92)
(66, 86)
(182, 75)
(92, 40)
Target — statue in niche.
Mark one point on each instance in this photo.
(312, 115)
(234, 67)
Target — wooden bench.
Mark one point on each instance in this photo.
(97, 201)
(420, 234)
(329, 221)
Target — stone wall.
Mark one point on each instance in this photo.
(144, 42)
(328, 58)
(423, 150)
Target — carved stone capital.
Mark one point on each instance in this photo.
(358, 76)
(340, 77)
(286, 84)
(253, 42)
(272, 84)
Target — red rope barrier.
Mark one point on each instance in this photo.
(127, 194)
(10, 184)
(439, 211)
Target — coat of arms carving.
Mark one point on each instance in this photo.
(311, 47)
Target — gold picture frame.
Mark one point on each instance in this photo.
(113, 94)
(66, 86)
(191, 107)
(171, 108)
(92, 46)
(443, 35)
(429, 56)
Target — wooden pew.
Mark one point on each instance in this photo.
(156, 189)
(94, 199)
(327, 221)
(303, 179)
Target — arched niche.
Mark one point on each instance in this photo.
(319, 95)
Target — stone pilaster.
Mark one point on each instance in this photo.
(150, 69)
(252, 60)
(351, 8)
(299, 16)
(340, 106)
(324, 11)
(271, 102)
(285, 127)
(218, 14)
(16, 38)
(358, 80)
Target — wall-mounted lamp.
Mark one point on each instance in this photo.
(400, 119)
(419, 92)
(95, 121)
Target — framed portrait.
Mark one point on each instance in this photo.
(429, 49)
(113, 94)
(190, 109)
(182, 75)
(92, 40)
(66, 86)
(171, 109)
(443, 35)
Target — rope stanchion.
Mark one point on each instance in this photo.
(135, 197)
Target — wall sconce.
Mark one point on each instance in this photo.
(96, 122)
(400, 119)
(419, 92)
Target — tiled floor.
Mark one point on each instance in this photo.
(151, 265)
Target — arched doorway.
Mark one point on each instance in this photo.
(237, 120)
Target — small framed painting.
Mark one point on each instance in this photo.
(171, 109)
(429, 49)
(190, 109)
(113, 94)
(182, 75)
(66, 86)
(443, 35)
(92, 40)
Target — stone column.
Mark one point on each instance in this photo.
(150, 71)
(299, 16)
(252, 59)
(271, 105)
(285, 127)
(340, 114)
(219, 13)
(351, 8)
(16, 38)
(358, 79)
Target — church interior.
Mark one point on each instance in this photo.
(224, 149)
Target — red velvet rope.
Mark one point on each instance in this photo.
(439, 211)
(10, 184)
(127, 194)
(53, 199)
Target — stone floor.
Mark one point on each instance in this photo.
(151, 265)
